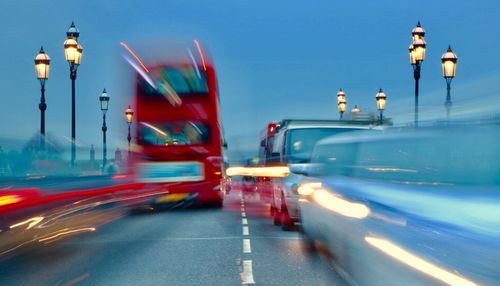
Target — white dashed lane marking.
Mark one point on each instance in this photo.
(247, 248)
(247, 272)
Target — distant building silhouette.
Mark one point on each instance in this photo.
(92, 156)
(118, 156)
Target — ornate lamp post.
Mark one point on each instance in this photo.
(417, 56)
(104, 99)
(341, 102)
(42, 68)
(73, 52)
(381, 100)
(129, 113)
(449, 65)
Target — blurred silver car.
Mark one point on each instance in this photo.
(408, 207)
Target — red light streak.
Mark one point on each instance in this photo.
(120, 176)
(201, 54)
(135, 56)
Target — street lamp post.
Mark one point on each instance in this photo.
(341, 102)
(129, 113)
(449, 65)
(42, 68)
(381, 100)
(73, 52)
(417, 56)
(104, 99)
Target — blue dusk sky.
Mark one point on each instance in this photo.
(275, 59)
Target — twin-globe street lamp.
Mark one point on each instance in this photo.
(42, 68)
(73, 52)
(449, 65)
(380, 98)
(341, 102)
(104, 100)
(129, 113)
(417, 56)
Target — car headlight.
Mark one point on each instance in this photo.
(339, 205)
(307, 189)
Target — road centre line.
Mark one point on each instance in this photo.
(247, 276)
(247, 248)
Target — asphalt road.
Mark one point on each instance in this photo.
(231, 246)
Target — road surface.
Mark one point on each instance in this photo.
(204, 246)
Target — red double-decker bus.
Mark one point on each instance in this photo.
(179, 136)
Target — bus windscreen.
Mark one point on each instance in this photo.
(182, 80)
(174, 133)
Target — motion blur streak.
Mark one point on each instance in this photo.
(169, 92)
(201, 54)
(16, 247)
(144, 75)
(194, 63)
(154, 128)
(77, 280)
(134, 55)
(258, 171)
(7, 200)
(121, 176)
(33, 221)
(418, 263)
(308, 189)
(66, 232)
(391, 170)
(341, 206)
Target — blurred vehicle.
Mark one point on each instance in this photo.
(407, 207)
(226, 184)
(292, 145)
(178, 130)
(11, 197)
(248, 185)
(226, 181)
(264, 186)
